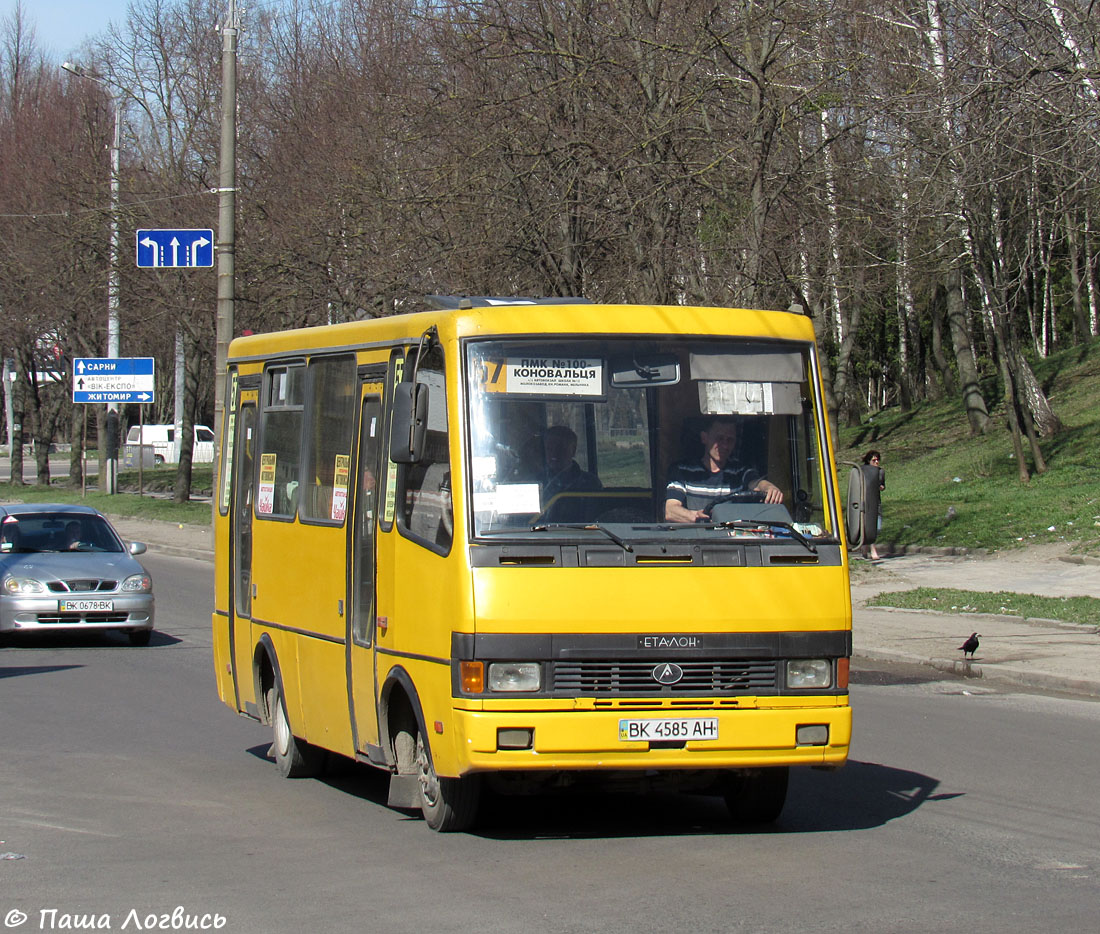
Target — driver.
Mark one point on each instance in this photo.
(72, 536)
(694, 484)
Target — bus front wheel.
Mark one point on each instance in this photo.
(756, 796)
(448, 804)
(294, 757)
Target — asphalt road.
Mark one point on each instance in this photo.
(59, 467)
(129, 791)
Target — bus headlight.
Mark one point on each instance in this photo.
(803, 673)
(514, 677)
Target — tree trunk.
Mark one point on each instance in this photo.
(941, 381)
(1081, 327)
(1033, 442)
(76, 447)
(1012, 407)
(820, 329)
(191, 367)
(1033, 398)
(973, 401)
(847, 407)
(101, 447)
(17, 417)
(40, 421)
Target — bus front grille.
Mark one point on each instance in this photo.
(623, 677)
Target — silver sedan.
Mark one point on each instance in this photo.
(65, 567)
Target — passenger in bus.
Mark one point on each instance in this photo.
(562, 474)
(692, 485)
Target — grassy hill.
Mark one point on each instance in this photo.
(932, 463)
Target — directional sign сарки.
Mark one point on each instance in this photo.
(174, 248)
(113, 379)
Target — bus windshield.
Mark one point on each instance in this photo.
(571, 436)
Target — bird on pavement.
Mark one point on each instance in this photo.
(970, 646)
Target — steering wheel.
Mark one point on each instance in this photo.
(739, 496)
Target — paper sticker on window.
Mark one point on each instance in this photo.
(341, 472)
(721, 397)
(265, 496)
(508, 499)
(544, 376)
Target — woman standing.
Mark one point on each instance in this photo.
(873, 459)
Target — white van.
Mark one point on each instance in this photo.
(162, 439)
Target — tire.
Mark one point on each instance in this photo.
(294, 757)
(756, 796)
(448, 804)
(139, 637)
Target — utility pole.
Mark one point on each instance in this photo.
(109, 482)
(227, 210)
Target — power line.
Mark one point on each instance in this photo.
(100, 210)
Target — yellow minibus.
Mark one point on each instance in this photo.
(514, 545)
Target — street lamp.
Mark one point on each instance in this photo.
(112, 270)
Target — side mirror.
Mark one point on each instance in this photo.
(861, 515)
(409, 422)
(137, 548)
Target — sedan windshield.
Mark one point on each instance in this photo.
(29, 533)
(712, 437)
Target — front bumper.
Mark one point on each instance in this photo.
(589, 739)
(48, 613)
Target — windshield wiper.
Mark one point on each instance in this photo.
(769, 523)
(585, 527)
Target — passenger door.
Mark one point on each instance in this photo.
(240, 586)
(361, 579)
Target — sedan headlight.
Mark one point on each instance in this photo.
(803, 673)
(514, 677)
(137, 583)
(18, 586)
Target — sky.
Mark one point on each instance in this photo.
(61, 26)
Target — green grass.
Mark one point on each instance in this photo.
(126, 502)
(1084, 610)
(932, 462)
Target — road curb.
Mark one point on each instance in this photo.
(177, 551)
(1086, 628)
(1040, 680)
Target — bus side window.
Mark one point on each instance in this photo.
(281, 441)
(330, 430)
(428, 512)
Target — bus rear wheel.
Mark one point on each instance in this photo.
(756, 796)
(294, 757)
(448, 804)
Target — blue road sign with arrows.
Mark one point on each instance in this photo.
(113, 379)
(174, 248)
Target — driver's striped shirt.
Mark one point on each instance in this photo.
(694, 486)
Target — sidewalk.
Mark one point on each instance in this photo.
(1033, 653)
(185, 541)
